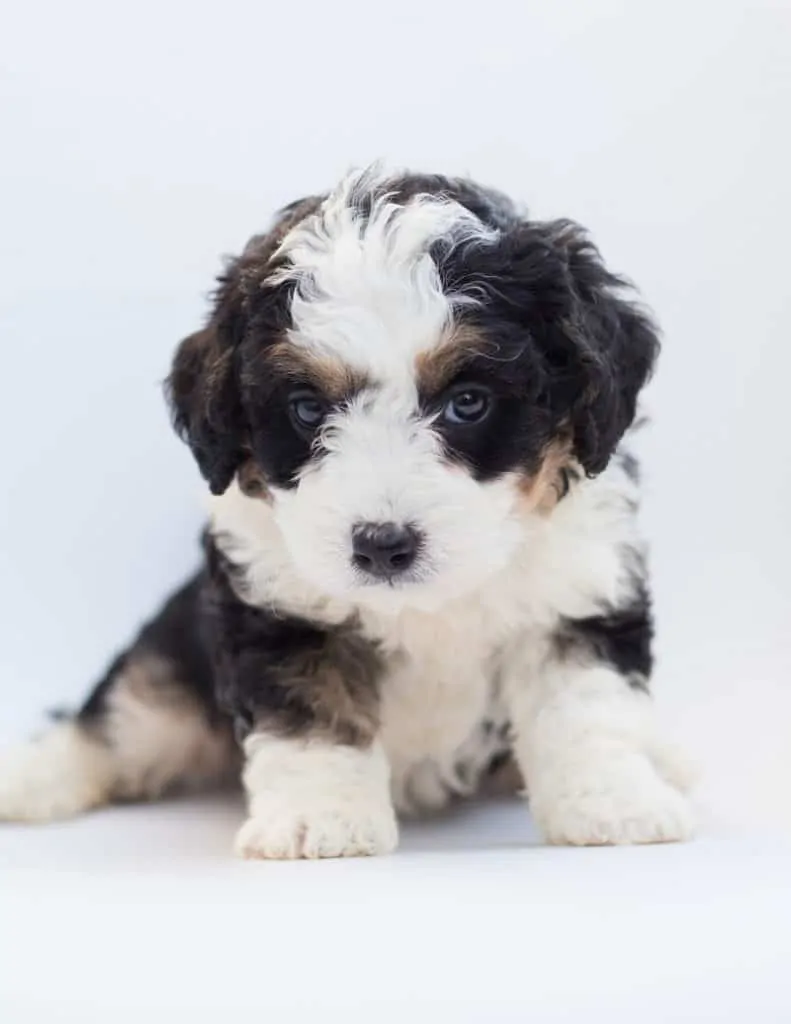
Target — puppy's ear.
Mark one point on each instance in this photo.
(205, 405)
(203, 389)
(606, 350)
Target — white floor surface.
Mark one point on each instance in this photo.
(140, 914)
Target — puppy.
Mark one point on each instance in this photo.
(423, 573)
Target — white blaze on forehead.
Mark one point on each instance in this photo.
(367, 290)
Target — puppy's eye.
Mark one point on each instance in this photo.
(307, 410)
(467, 405)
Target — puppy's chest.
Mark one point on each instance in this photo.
(442, 717)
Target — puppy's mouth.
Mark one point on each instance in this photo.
(421, 572)
(400, 581)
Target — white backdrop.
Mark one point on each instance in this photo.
(141, 141)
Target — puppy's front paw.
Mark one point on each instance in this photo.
(635, 806)
(289, 834)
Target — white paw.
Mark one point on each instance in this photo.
(637, 806)
(344, 832)
(310, 798)
(57, 775)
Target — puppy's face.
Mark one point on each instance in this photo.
(403, 370)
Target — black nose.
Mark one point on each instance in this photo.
(384, 550)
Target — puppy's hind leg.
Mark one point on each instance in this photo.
(150, 725)
(58, 774)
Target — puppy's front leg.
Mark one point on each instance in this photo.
(311, 797)
(306, 697)
(595, 771)
(316, 775)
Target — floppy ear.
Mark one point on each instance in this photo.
(203, 387)
(203, 390)
(607, 352)
(205, 404)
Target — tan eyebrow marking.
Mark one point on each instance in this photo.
(436, 367)
(332, 378)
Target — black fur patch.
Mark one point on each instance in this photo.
(174, 636)
(253, 667)
(621, 637)
(284, 674)
(563, 352)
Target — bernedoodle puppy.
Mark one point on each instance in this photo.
(423, 573)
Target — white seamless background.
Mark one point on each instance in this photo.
(141, 141)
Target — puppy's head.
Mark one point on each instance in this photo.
(404, 369)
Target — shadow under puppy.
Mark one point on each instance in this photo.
(423, 566)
